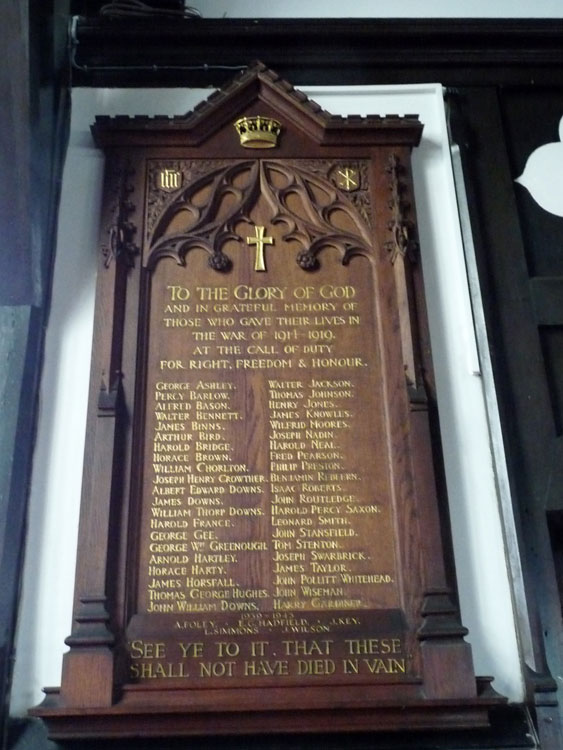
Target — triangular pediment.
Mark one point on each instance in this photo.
(257, 86)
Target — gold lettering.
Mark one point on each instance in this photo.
(140, 649)
(217, 669)
(194, 650)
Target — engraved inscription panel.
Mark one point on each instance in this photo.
(266, 537)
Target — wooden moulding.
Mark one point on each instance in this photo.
(260, 545)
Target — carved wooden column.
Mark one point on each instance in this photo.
(93, 638)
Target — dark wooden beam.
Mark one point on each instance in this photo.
(515, 305)
(118, 52)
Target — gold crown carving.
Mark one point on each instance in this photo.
(258, 132)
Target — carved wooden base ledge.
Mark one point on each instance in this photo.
(339, 709)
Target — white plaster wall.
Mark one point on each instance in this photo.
(379, 8)
(48, 579)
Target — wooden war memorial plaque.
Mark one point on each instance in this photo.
(260, 540)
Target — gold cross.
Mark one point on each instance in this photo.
(348, 178)
(259, 240)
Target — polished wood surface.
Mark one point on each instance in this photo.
(260, 540)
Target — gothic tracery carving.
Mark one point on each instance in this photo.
(311, 209)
